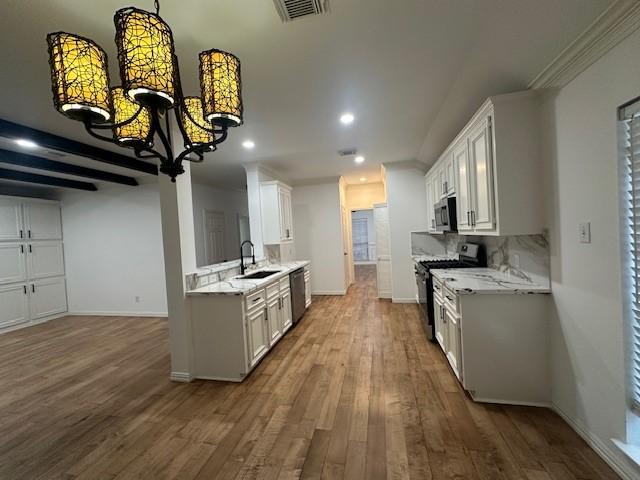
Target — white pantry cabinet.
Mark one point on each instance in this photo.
(496, 168)
(277, 217)
(307, 286)
(31, 262)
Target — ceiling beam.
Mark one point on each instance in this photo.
(61, 144)
(19, 176)
(39, 163)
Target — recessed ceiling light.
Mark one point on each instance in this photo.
(347, 118)
(26, 143)
(359, 159)
(248, 144)
(363, 179)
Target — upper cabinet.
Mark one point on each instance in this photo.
(29, 219)
(277, 217)
(493, 168)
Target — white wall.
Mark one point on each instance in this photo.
(365, 195)
(407, 203)
(318, 235)
(230, 202)
(113, 251)
(579, 127)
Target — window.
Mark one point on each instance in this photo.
(629, 148)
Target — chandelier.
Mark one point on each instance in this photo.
(137, 112)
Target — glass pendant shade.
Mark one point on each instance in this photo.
(195, 131)
(79, 77)
(221, 88)
(146, 56)
(135, 132)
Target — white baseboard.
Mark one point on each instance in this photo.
(403, 300)
(329, 292)
(600, 447)
(183, 377)
(94, 313)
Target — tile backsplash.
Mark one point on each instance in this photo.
(523, 256)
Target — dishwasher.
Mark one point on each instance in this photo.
(296, 281)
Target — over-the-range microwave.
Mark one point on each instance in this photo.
(445, 215)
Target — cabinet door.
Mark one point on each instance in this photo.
(47, 297)
(286, 219)
(42, 221)
(14, 303)
(450, 175)
(11, 227)
(274, 320)
(430, 186)
(12, 263)
(307, 289)
(463, 171)
(45, 259)
(257, 332)
(480, 147)
(442, 334)
(285, 310)
(454, 346)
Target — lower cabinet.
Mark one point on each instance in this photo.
(257, 337)
(274, 319)
(454, 347)
(285, 310)
(307, 286)
(23, 303)
(15, 305)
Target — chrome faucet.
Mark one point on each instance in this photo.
(253, 255)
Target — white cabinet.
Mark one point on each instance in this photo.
(11, 227)
(42, 221)
(453, 345)
(307, 286)
(12, 263)
(257, 335)
(285, 310)
(274, 319)
(276, 212)
(442, 334)
(31, 261)
(47, 297)
(494, 169)
(15, 306)
(431, 181)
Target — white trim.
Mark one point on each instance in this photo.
(631, 451)
(368, 262)
(329, 292)
(220, 379)
(403, 300)
(182, 377)
(616, 23)
(502, 401)
(604, 451)
(94, 313)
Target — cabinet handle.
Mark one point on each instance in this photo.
(33, 288)
(21, 248)
(25, 289)
(266, 314)
(21, 233)
(449, 298)
(256, 299)
(29, 233)
(30, 249)
(469, 218)
(473, 217)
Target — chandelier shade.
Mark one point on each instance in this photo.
(221, 87)
(79, 77)
(196, 128)
(134, 121)
(146, 57)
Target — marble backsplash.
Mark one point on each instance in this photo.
(523, 256)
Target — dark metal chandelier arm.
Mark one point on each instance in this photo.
(157, 129)
(88, 126)
(200, 149)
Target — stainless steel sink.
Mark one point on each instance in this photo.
(260, 274)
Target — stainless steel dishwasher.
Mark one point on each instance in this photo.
(296, 281)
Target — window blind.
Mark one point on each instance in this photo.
(629, 146)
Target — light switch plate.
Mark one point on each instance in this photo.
(584, 232)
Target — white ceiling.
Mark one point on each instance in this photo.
(412, 71)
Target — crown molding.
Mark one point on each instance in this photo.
(615, 24)
(405, 165)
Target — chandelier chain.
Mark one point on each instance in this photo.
(156, 4)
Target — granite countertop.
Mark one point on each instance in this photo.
(432, 257)
(244, 286)
(469, 281)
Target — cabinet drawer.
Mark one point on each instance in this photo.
(255, 300)
(273, 290)
(284, 283)
(437, 287)
(450, 300)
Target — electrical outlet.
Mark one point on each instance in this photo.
(137, 299)
(584, 231)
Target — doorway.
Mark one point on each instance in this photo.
(363, 245)
(214, 233)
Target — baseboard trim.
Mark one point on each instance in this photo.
(403, 300)
(605, 452)
(330, 292)
(182, 377)
(118, 314)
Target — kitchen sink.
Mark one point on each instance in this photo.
(261, 274)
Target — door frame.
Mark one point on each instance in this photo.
(205, 211)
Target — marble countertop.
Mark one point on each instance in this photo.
(245, 286)
(469, 281)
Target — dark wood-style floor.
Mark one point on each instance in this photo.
(354, 391)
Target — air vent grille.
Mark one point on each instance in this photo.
(293, 9)
(347, 152)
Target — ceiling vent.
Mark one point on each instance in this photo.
(293, 9)
(347, 152)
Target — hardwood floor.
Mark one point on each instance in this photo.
(354, 391)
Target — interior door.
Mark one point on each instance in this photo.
(11, 227)
(47, 297)
(43, 221)
(45, 259)
(14, 311)
(214, 233)
(463, 172)
(12, 263)
(480, 146)
(346, 247)
(383, 246)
